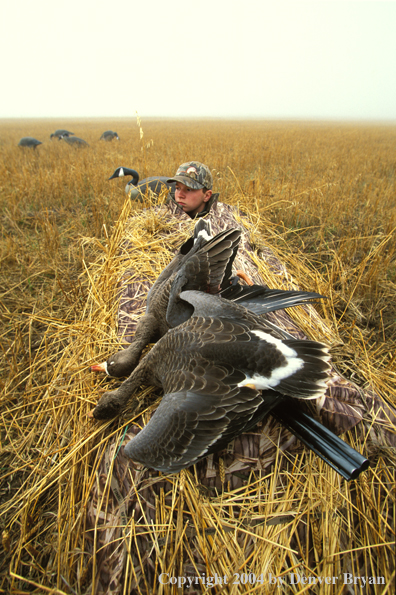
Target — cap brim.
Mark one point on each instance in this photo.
(187, 181)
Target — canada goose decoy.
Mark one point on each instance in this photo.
(155, 183)
(60, 133)
(75, 141)
(203, 264)
(109, 135)
(220, 376)
(29, 141)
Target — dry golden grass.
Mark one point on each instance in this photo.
(324, 197)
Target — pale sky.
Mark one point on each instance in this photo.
(215, 58)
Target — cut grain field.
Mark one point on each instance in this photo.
(322, 195)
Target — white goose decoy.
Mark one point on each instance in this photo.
(136, 189)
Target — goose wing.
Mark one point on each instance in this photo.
(207, 265)
(201, 235)
(260, 299)
(206, 268)
(196, 303)
(213, 372)
(191, 423)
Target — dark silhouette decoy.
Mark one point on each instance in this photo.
(29, 141)
(75, 141)
(155, 183)
(60, 133)
(109, 135)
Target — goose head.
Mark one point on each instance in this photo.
(120, 363)
(120, 172)
(109, 135)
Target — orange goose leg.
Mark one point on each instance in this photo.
(244, 276)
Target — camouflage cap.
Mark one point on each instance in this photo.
(193, 174)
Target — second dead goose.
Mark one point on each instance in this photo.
(203, 264)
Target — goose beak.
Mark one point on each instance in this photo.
(99, 367)
(90, 414)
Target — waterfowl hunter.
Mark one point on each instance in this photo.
(155, 183)
(221, 371)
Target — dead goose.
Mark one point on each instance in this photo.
(220, 376)
(29, 141)
(109, 135)
(203, 264)
(60, 133)
(155, 183)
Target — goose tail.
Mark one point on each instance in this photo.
(260, 300)
(299, 368)
(203, 229)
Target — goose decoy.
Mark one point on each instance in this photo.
(109, 135)
(221, 371)
(75, 141)
(60, 133)
(203, 264)
(155, 183)
(29, 141)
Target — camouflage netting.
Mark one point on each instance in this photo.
(265, 505)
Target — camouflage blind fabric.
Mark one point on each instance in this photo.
(124, 490)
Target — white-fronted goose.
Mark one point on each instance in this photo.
(213, 369)
(202, 264)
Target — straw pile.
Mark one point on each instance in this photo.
(67, 528)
